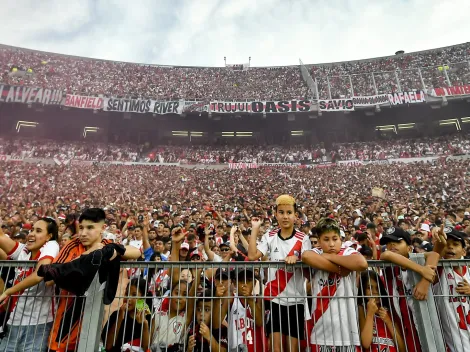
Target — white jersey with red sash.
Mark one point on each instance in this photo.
(285, 287)
(333, 321)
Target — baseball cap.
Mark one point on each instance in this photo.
(185, 245)
(27, 227)
(395, 234)
(225, 244)
(425, 227)
(222, 274)
(428, 247)
(455, 235)
(371, 225)
(196, 253)
(245, 274)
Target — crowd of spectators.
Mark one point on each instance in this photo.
(220, 154)
(405, 72)
(437, 68)
(416, 197)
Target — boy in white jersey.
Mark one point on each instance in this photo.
(333, 322)
(285, 287)
(452, 290)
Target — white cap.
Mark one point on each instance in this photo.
(341, 233)
(425, 227)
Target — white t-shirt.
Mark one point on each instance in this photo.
(169, 331)
(134, 243)
(286, 285)
(453, 308)
(334, 318)
(36, 304)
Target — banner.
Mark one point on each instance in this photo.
(143, 106)
(82, 102)
(402, 98)
(336, 105)
(267, 107)
(370, 100)
(195, 106)
(378, 192)
(451, 91)
(242, 165)
(28, 95)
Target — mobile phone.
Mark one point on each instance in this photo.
(140, 305)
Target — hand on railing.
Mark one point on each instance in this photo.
(463, 288)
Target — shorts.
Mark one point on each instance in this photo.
(318, 348)
(288, 320)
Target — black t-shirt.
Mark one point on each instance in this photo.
(202, 345)
(130, 330)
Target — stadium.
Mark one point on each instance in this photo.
(183, 173)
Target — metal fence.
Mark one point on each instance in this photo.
(193, 306)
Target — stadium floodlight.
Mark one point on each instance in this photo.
(386, 128)
(20, 124)
(297, 133)
(449, 122)
(244, 134)
(228, 134)
(180, 133)
(465, 119)
(196, 134)
(406, 126)
(89, 129)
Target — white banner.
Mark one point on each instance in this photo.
(402, 98)
(143, 106)
(371, 100)
(336, 105)
(83, 102)
(242, 165)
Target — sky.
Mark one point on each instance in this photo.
(203, 32)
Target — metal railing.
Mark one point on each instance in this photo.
(229, 306)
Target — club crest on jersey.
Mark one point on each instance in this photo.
(177, 326)
(447, 229)
(390, 230)
(450, 276)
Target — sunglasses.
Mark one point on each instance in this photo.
(225, 250)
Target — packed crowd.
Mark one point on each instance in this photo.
(439, 67)
(219, 154)
(173, 214)
(46, 148)
(390, 74)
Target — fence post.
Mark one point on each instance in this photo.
(90, 332)
(426, 317)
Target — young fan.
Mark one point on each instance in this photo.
(452, 290)
(398, 280)
(333, 322)
(285, 288)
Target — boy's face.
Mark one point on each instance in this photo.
(90, 232)
(245, 288)
(203, 312)
(285, 216)
(401, 248)
(454, 249)
(330, 242)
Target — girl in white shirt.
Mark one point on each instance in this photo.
(30, 300)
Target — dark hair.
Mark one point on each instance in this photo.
(364, 281)
(139, 227)
(366, 251)
(93, 215)
(325, 225)
(140, 284)
(52, 228)
(191, 237)
(361, 237)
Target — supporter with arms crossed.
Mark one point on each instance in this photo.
(399, 282)
(285, 287)
(333, 322)
(66, 328)
(380, 330)
(31, 302)
(452, 289)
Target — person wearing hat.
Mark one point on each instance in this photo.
(245, 313)
(398, 279)
(452, 289)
